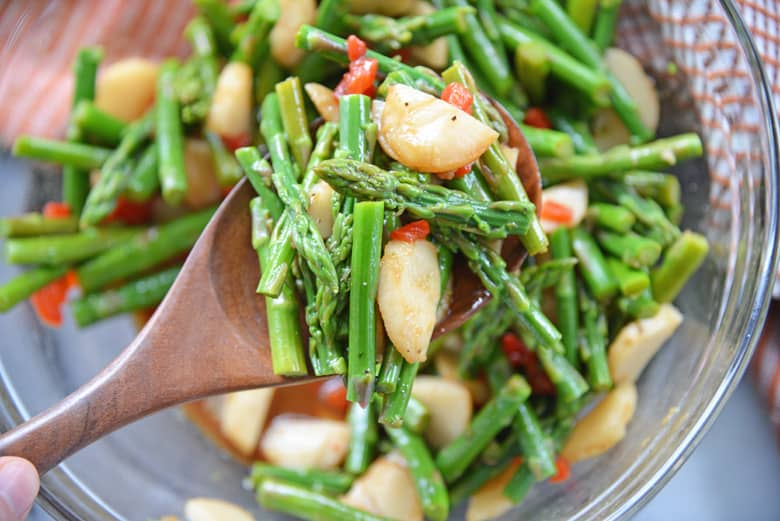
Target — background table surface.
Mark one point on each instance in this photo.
(733, 474)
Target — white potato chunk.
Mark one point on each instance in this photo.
(449, 405)
(489, 502)
(294, 14)
(639, 85)
(511, 154)
(324, 101)
(384, 7)
(209, 509)
(125, 89)
(573, 195)
(242, 417)
(202, 185)
(639, 341)
(386, 489)
(604, 426)
(408, 294)
(608, 130)
(230, 113)
(320, 208)
(427, 134)
(301, 442)
(436, 53)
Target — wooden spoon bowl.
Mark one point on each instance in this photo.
(208, 336)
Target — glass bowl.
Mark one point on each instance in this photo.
(710, 80)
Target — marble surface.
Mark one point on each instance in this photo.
(733, 474)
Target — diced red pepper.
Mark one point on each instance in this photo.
(48, 300)
(460, 96)
(130, 212)
(56, 210)
(464, 170)
(333, 394)
(520, 356)
(564, 471)
(355, 47)
(403, 54)
(556, 212)
(536, 117)
(360, 77)
(515, 350)
(233, 143)
(414, 231)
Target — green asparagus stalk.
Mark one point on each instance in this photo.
(660, 153)
(427, 477)
(204, 47)
(91, 121)
(268, 74)
(54, 250)
(566, 295)
(331, 15)
(363, 438)
(631, 281)
(680, 262)
(116, 172)
(250, 35)
(454, 458)
(520, 484)
(548, 143)
(582, 13)
(532, 66)
(296, 125)
(569, 384)
(486, 11)
(83, 157)
(537, 450)
(639, 306)
(134, 254)
(258, 171)
(170, 147)
(395, 406)
(416, 416)
(589, 81)
(477, 476)
(480, 335)
(593, 349)
(75, 181)
(138, 294)
(227, 168)
(593, 266)
(144, 181)
(611, 217)
(218, 16)
(577, 130)
(646, 211)
(25, 284)
(392, 364)
(425, 200)
(306, 504)
(320, 481)
(662, 188)
(633, 249)
(366, 253)
(606, 21)
(395, 33)
(32, 224)
(503, 178)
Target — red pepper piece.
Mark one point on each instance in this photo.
(56, 210)
(414, 231)
(536, 117)
(458, 95)
(556, 212)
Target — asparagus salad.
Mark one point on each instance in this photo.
(369, 132)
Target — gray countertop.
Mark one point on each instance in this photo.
(734, 473)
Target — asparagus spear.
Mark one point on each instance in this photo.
(331, 16)
(611, 217)
(682, 259)
(537, 452)
(139, 252)
(593, 266)
(64, 249)
(218, 16)
(91, 121)
(565, 295)
(593, 348)
(392, 364)
(520, 484)
(204, 66)
(116, 172)
(479, 474)
(577, 131)
(227, 168)
(83, 157)
(32, 224)
(662, 188)
(427, 478)
(366, 253)
(75, 181)
(296, 125)
(394, 411)
(306, 504)
(144, 181)
(396, 33)
(569, 384)
(591, 82)
(606, 21)
(363, 438)
(582, 13)
(636, 251)
(321, 481)
(639, 306)
(138, 294)
(425, 200)
(480, 336)
(631, 281)
(416, 416)
(532, 66)
(548, 143)
(25, 284)
(170, 147)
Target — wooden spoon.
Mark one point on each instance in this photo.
(209, 336)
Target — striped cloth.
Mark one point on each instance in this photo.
(39, 38)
